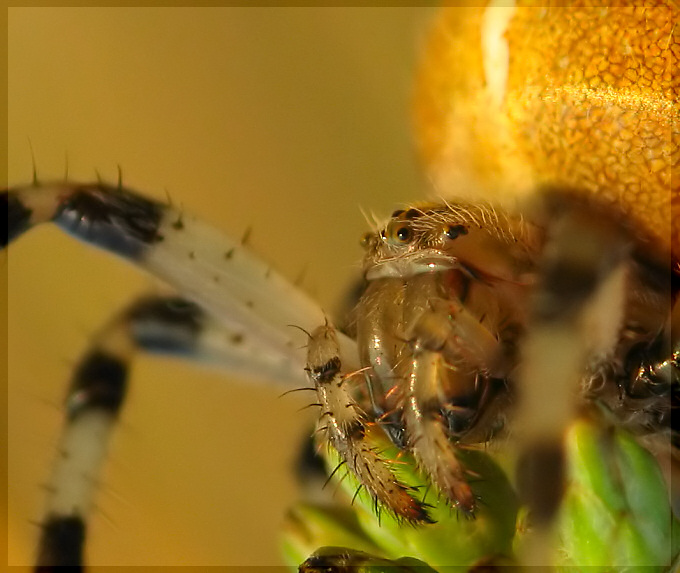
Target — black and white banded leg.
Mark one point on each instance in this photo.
(168, 325)
(234, 312)
(598, 296)
(217, 272)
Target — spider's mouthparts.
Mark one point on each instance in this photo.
(411, 264)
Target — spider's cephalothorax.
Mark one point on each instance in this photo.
(451, 292)
(437, 325)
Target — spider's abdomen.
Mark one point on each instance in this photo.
(581, 97)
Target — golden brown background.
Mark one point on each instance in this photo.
(286, 120)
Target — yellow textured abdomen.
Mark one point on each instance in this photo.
(509, 99)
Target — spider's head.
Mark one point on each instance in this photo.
(431, 238)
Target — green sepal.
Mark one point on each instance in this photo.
(310, 526)
(454, 540)
(616, 509)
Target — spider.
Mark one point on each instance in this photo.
(402, 233)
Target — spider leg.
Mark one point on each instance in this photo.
(206, 266)
(451, 358)
(578, 320)
(428, 436)
(453, 330)
(168, 325)
(440, 338)
(251, 310)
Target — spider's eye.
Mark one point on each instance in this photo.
(397, 233)
(454, 231)
(402, 234)
(366, 240)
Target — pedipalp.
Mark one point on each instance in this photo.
(349, 430)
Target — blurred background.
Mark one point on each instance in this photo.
(289, 121)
